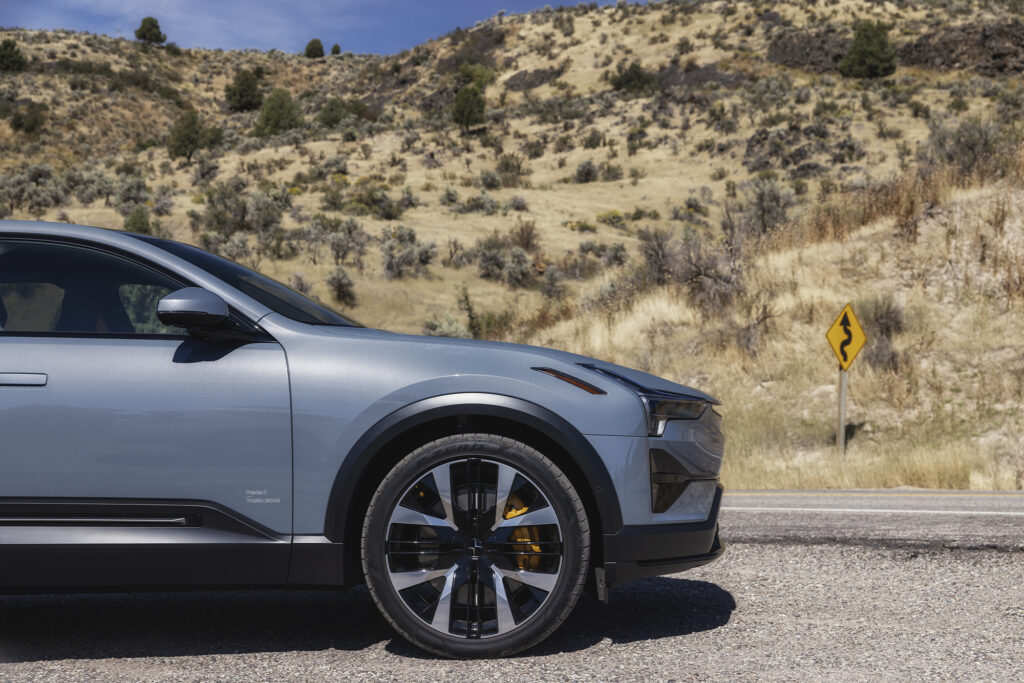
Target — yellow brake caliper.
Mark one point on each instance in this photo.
(522, 537)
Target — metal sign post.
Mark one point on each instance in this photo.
(847, 338)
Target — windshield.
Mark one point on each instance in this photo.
(270, 293)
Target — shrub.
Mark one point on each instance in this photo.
(490, 180)
(449, 327)
(131, 192)
(278, 114)
(332, 113)
(554, 284)
(468, 108)
(593, 139)
(517, 270)
(587, 172)
(314, 49)
(403, 254)
(613, 218)
(243, 93)
(871, 55)
(149, 32)
(346, 238)
(659, 252)
(184, 138)
(973, 146)
(335, 49)
(341, 287)
(11, 59)
(633, 79)
(29, 119)
(766, 206)
(883, 319)
(137, 221)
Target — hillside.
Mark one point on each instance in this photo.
(690, 188)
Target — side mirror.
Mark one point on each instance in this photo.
(192, 307)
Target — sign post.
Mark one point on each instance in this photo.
(847, 338)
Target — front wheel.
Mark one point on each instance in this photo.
(475, 545)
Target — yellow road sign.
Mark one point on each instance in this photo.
(846, 337)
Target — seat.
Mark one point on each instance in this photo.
(93, 310)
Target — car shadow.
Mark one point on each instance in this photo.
(122, 625)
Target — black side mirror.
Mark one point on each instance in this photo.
(192, 307)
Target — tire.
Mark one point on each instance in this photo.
(455, 575)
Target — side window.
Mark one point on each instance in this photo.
(47, 287)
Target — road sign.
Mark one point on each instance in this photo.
(846, 337)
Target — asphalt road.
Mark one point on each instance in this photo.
(814, 586)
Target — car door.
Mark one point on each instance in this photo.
(131, 453)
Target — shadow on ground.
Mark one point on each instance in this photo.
(50, 627)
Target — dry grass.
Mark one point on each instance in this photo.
(947, 248)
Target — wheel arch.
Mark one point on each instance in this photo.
(404, 430)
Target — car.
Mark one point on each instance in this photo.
(170, 419)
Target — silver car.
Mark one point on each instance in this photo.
(169, 418)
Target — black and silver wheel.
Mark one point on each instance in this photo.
(475, 546)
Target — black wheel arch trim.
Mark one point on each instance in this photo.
(470, 405)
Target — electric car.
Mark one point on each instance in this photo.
(170, 419)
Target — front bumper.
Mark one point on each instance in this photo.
(635, 552)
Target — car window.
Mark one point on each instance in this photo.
(61, 288)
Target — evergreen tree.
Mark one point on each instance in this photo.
(185, 137)
(468, 108)
(243, 93)
(11, 59)
(314, 49)
(871, 55)
(149, 32)
(278, 114)
(335, 49)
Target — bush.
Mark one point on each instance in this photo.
(29, 119)
(11, 59)
(871, 55)
(973, 146)
(659, 252)
(587, 172)
(335, 49)
(767, 205)
(490, 180)
(278, 114)
(149, 32)
(243, 93)
(331, 114)
(449, 327)
(403, 254)
(468, 108)
(314, 49)
(341, 287)
(634, 79)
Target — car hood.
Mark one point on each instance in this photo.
(535, 356)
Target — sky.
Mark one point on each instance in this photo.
(361, 26)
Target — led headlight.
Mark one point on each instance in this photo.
(662, 408)
(659, 406)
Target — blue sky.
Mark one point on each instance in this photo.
(379, 26)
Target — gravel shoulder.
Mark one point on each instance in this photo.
(764, 611)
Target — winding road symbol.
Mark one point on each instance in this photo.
(845, 324)
(846, 337)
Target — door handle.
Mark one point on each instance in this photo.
(22, 379)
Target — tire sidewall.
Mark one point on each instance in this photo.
(560, 495)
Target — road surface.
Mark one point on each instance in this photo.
(849, 586)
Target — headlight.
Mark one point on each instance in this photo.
(659, 406)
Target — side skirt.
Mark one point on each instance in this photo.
(48, 544)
